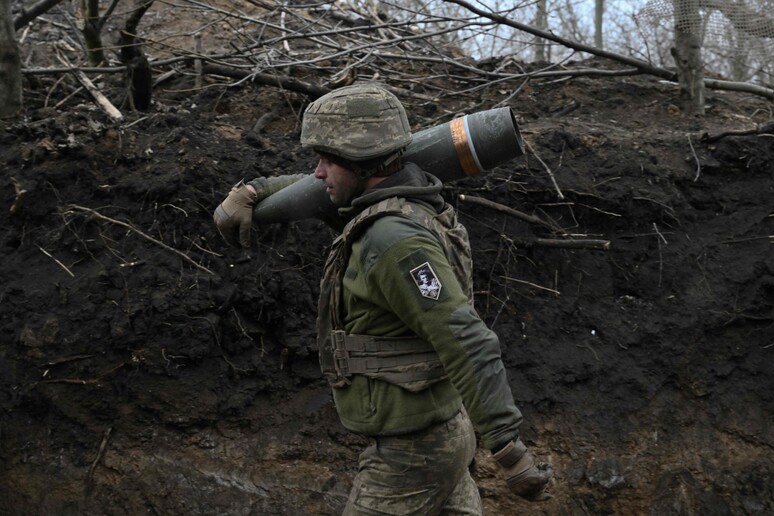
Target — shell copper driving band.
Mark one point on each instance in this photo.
(463, 145)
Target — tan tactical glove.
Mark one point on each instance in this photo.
(524, 477)
(235, 215)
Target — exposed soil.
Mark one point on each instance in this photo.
(136, 380)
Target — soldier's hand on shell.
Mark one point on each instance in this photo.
(234, 216)
(524, 477)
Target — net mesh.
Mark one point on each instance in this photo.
(752, 18)
(737, 35)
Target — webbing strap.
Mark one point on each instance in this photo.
(374, 344)
(394, 359)
(409, 362)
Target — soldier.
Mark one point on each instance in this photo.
(411, 364)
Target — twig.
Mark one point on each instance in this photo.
(669, 209)
(698, 163)
(101, 100)
(198, 61)
(100, 453)
(76, 381)
(202, 249)
(64, 360)
(766, 130)
(164, 76)
(67, 97)
(220, 348)
(659, 233)
(603, 245)
(57, 261)
(550, 174)
(588, 346)
(510, 211)
(532, 285)
(143, 235)
(239, 323)
(288, 83)
(745, 240)
(660, 255)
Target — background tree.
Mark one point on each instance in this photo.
(541, 22)
(139, 78)
(10, 65)
(687, 55)
(599, 15)
(279, 43)
(92, 31)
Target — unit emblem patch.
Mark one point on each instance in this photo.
(426, 281)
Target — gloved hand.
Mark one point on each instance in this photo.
(524, 477)
(235, 215)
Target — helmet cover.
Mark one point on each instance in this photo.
(358, 123)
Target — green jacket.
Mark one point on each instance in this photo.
(382, 296)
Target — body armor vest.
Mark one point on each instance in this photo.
(409, 362)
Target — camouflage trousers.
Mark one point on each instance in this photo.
(424, 473)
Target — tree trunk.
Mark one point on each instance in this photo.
(139, 76)
(599, 14)
(92, 29)
(541, 22)
(10, 65)
(687, 55)
(740, 70)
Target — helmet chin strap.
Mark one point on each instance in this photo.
(368, 170)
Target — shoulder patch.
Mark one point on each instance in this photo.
(426, 281)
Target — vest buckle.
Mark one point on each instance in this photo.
(340, 353)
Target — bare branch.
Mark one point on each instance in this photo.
(532, 219)
(643, 66)
(285, 82)
(98, 215)
(68, 271)
(33, 12)
(574, 243)
(765, 130)
(640, 65)
(100, 99)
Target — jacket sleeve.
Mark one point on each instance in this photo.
(401, 260)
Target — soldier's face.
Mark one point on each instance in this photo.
(341, 184)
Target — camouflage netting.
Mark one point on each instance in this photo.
(737, 35)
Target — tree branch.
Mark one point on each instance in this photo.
(283, 81)
(27, 15)
(98, 215)
(603, 245)
(642, 66)
(767, 129)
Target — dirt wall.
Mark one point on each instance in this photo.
(147, 368)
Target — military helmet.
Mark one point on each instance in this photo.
(359, 123)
